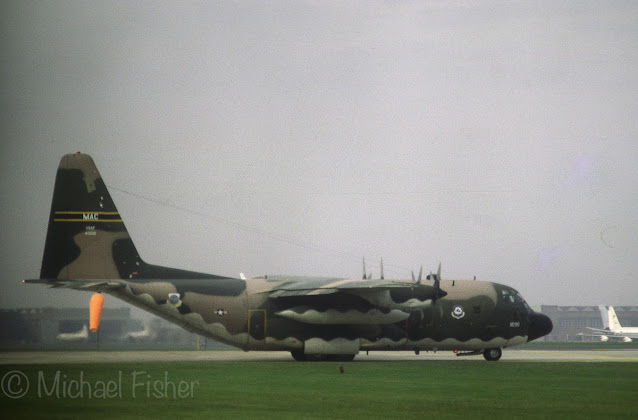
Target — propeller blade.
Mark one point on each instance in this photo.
(382, 276)
(364, 269)
(437, 284)
(420, 275)
(437, 279)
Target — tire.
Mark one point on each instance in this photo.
(340, 357)
(300, 356)
(492, 355)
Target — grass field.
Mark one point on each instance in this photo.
(426, 389)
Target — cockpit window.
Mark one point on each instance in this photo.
(512, 296)
(507, 296)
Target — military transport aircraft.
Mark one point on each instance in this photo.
(88, 248)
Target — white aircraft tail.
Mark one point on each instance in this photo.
(614, 325)
(604, 315)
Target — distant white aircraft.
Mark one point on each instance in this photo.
(144, 334)
(82, 334)
(612, 328)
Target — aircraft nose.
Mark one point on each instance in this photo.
(539, 325)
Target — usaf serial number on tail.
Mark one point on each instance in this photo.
(313, 318)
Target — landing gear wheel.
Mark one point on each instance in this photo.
(492, 355)
(300, 356)
(340, 357)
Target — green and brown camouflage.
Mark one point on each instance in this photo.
(88, 248)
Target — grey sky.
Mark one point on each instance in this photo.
(499, 138)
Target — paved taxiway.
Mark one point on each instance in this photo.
(63, 357)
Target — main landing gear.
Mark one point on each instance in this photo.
(492, 355)
(300, 356)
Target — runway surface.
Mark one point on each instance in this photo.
(65, 357)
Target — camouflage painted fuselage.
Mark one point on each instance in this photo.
(474, 315)
(89, 248)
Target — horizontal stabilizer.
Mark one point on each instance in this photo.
(91, 285)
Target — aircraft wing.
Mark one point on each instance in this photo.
(313, 287)
(598, 331)
(606, 335)
(391, 301)
(603, 334)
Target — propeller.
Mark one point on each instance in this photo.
(438, 293)
(382, 276)
(365, 276)
(418, 280)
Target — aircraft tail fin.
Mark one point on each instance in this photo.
(86, 237)
(614, 324)
(604, 316)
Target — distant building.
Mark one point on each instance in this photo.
(571, 322)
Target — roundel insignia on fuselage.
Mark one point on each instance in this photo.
(458, 312)
(174, 299)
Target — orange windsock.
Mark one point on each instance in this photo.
(95, 310)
